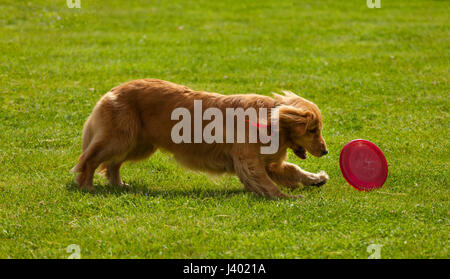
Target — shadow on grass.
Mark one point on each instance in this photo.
(140, 189)
(146, 190)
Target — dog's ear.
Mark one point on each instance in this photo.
(279, 98)
(294, 118)
(288, 93)
(286, 99)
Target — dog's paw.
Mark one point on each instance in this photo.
(321, 179)
(119, 185)
(123, 185)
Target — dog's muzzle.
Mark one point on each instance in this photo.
(300, 152)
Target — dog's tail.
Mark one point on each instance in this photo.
(88, 147)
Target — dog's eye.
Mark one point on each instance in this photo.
(313, 131)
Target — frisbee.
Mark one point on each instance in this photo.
(363, 165)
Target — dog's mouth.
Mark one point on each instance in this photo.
(300, 152)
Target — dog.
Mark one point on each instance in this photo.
(133, 120)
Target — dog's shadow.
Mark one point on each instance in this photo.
(137, 188)
(146, 190)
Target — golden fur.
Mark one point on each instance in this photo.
(133, 120)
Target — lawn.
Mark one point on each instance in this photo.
(378, 74)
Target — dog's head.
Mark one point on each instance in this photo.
(301, 123)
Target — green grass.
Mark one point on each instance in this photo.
(378, 74)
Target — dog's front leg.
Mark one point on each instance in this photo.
(253, 175)
(291, 175)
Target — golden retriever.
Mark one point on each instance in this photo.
(133, 120)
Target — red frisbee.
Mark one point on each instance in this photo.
(363, 165)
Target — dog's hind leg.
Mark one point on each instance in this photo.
(109, 134)
(139, 152)
(107, 152)
(113, 173)
(89, 161)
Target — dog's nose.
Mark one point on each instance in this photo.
(324, 152)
